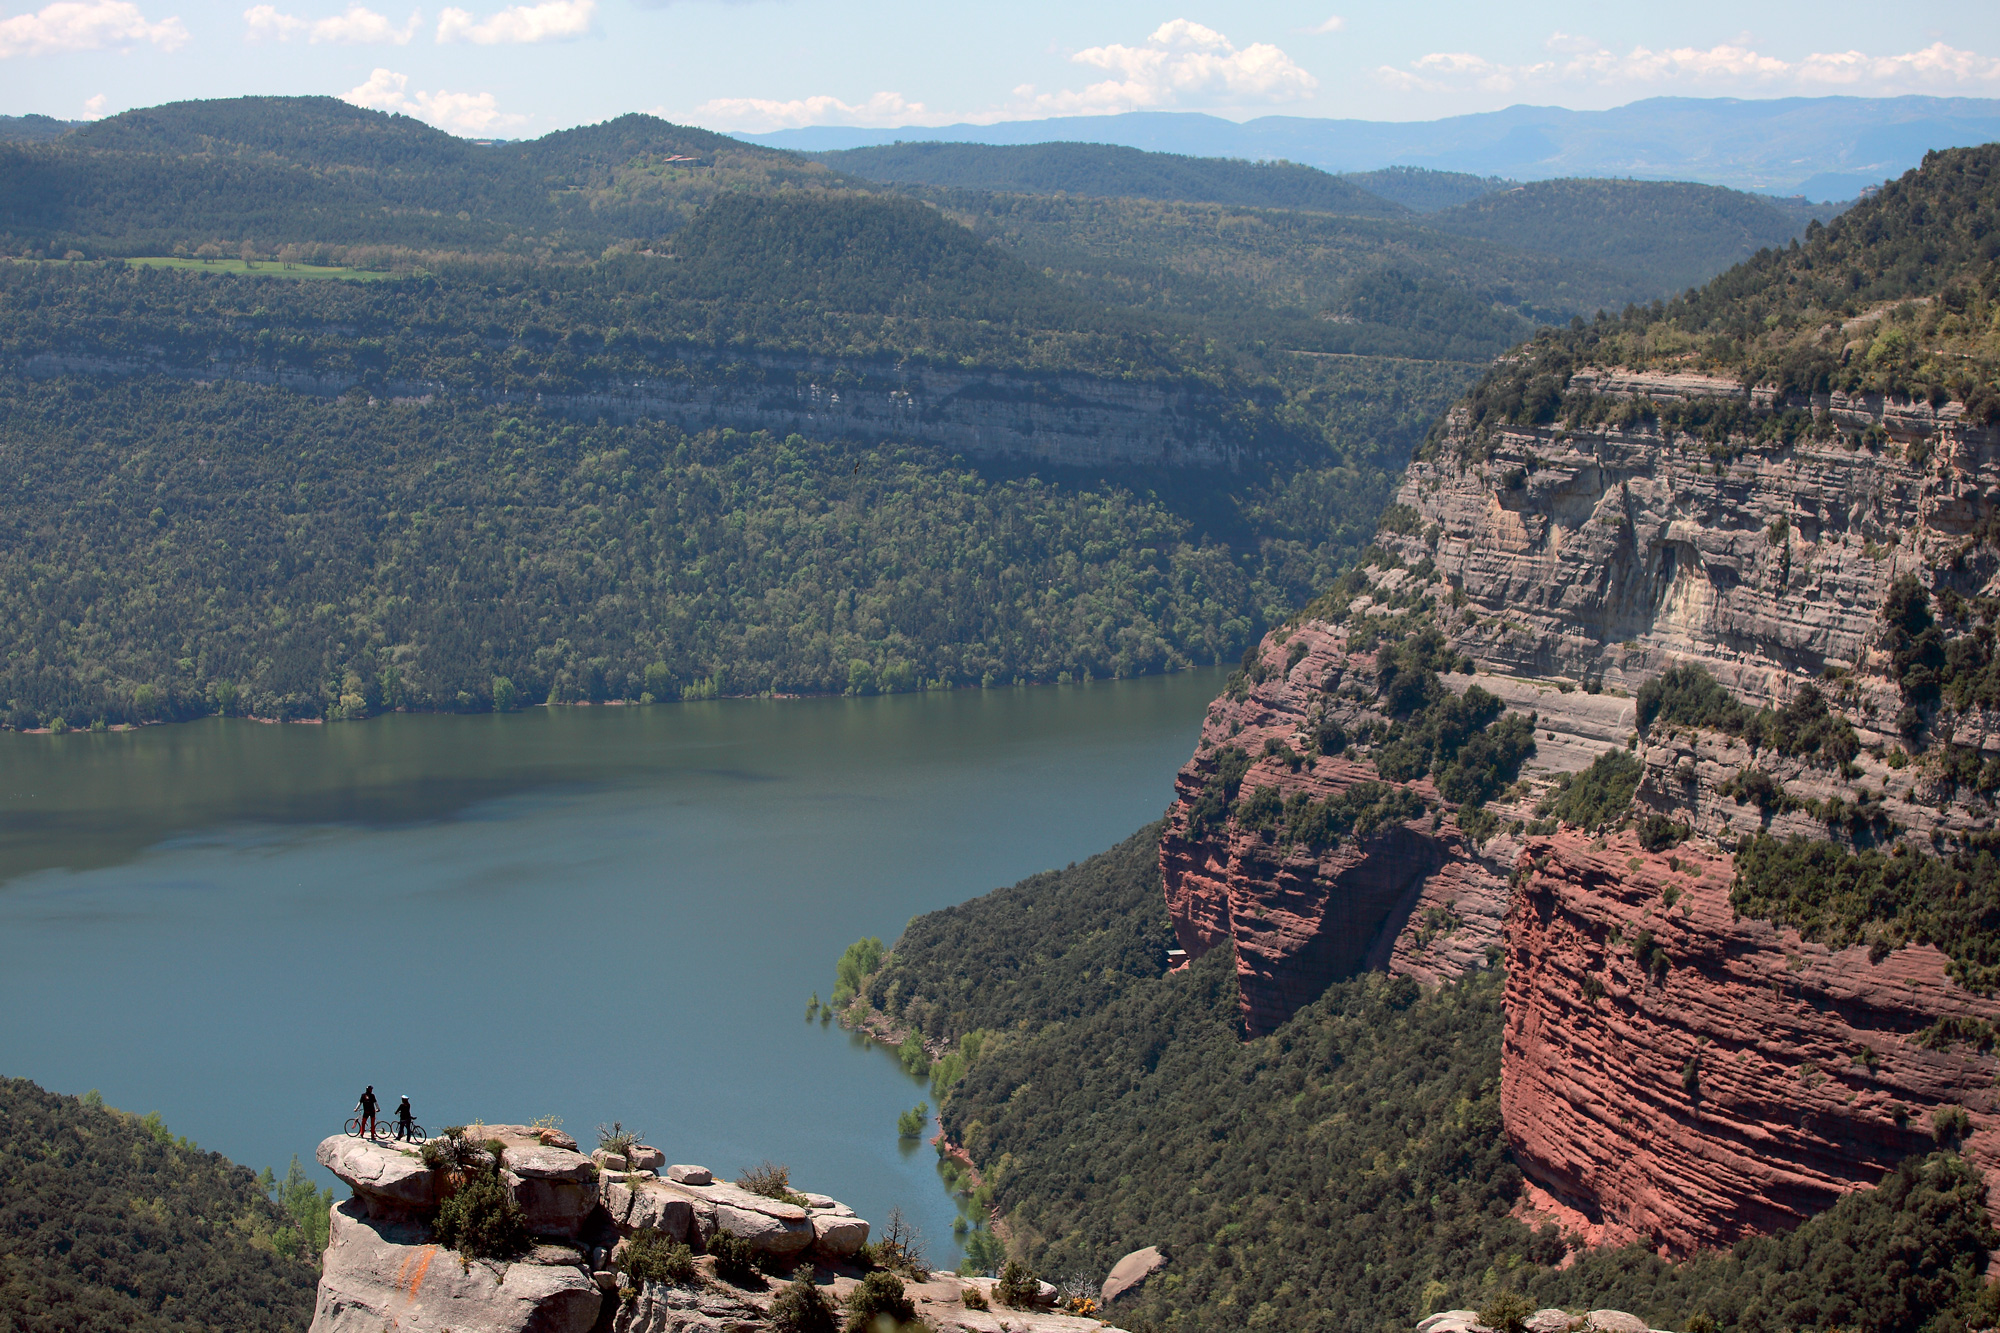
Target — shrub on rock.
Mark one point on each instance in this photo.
(1017, 1286)
(482, 1221)
(653, 1256)
(803, 1308)
(773, 1180)
(735, 1262)
(880, 1294)
(1507, 1313)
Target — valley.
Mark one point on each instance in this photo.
(1541, 633)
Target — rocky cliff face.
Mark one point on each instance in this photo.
(1672, 1070)
(1070, 420)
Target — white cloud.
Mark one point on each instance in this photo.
(264, 23)
(1731, 66)
(85, 25)
(461, 113)
(94, 107)
(364, 27)
(1181, 61)
(754, 115)
(1333, 24)
(550, 21)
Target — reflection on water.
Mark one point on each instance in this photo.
(604, 913)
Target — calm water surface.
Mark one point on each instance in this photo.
(601, 913)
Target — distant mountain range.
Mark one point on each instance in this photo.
(1826, 148)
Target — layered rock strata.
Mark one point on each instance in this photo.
(1071, 420)
(1417, 897)
(1739, 1078)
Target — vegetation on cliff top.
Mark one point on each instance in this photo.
(1347, 1172)
(108, 1222)
(1687, 696)
(1900, 295)
(1843, 898)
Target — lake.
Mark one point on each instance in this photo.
(595, 913)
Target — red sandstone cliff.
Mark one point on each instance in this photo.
(1754, 1077)
(1742, 1087)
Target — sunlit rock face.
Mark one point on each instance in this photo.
(1738, 1078)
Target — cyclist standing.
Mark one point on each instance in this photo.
(365, 1108)
(404, 1119)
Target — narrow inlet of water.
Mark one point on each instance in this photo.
(594, 913)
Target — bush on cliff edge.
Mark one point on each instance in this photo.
(482, 1221)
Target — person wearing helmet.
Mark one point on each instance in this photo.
(365, 1109)
(404, 1118)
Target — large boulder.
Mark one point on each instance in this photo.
(770, 1226)
(379, 1275)
(1130, 1271)
(661, 1307)
(837, 1232)
(1615, 1321)
(634, 1205)
(556, 1187)
(387, 1178)
(1450, 1321)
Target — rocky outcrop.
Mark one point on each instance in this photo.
(384, 1269)
(388, 1180)
(1738, 1078)
(1129, 1273)
(1541, 1321)
(379, 1274)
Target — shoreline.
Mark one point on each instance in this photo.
(597, 703)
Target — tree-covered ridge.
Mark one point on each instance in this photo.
(1674, 233)
(1287, 279)
(1424, 190)
(836, 277)
(1900, 295)
(1348, 1172)
(33, 128)
(273, 172)
(108, 1222)
(1105, 170)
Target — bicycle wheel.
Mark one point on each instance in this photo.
(417, 1134)
(354, 1127)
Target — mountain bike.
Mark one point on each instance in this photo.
(385, 1131)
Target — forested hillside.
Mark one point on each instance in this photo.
(1347, 1172)
(450, 534)
(1675, 235)
(1105, 171)
(1426, 191)
(176, 550)
(271, 172)
(110, 1224)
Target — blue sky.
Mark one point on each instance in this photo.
(485, 68)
